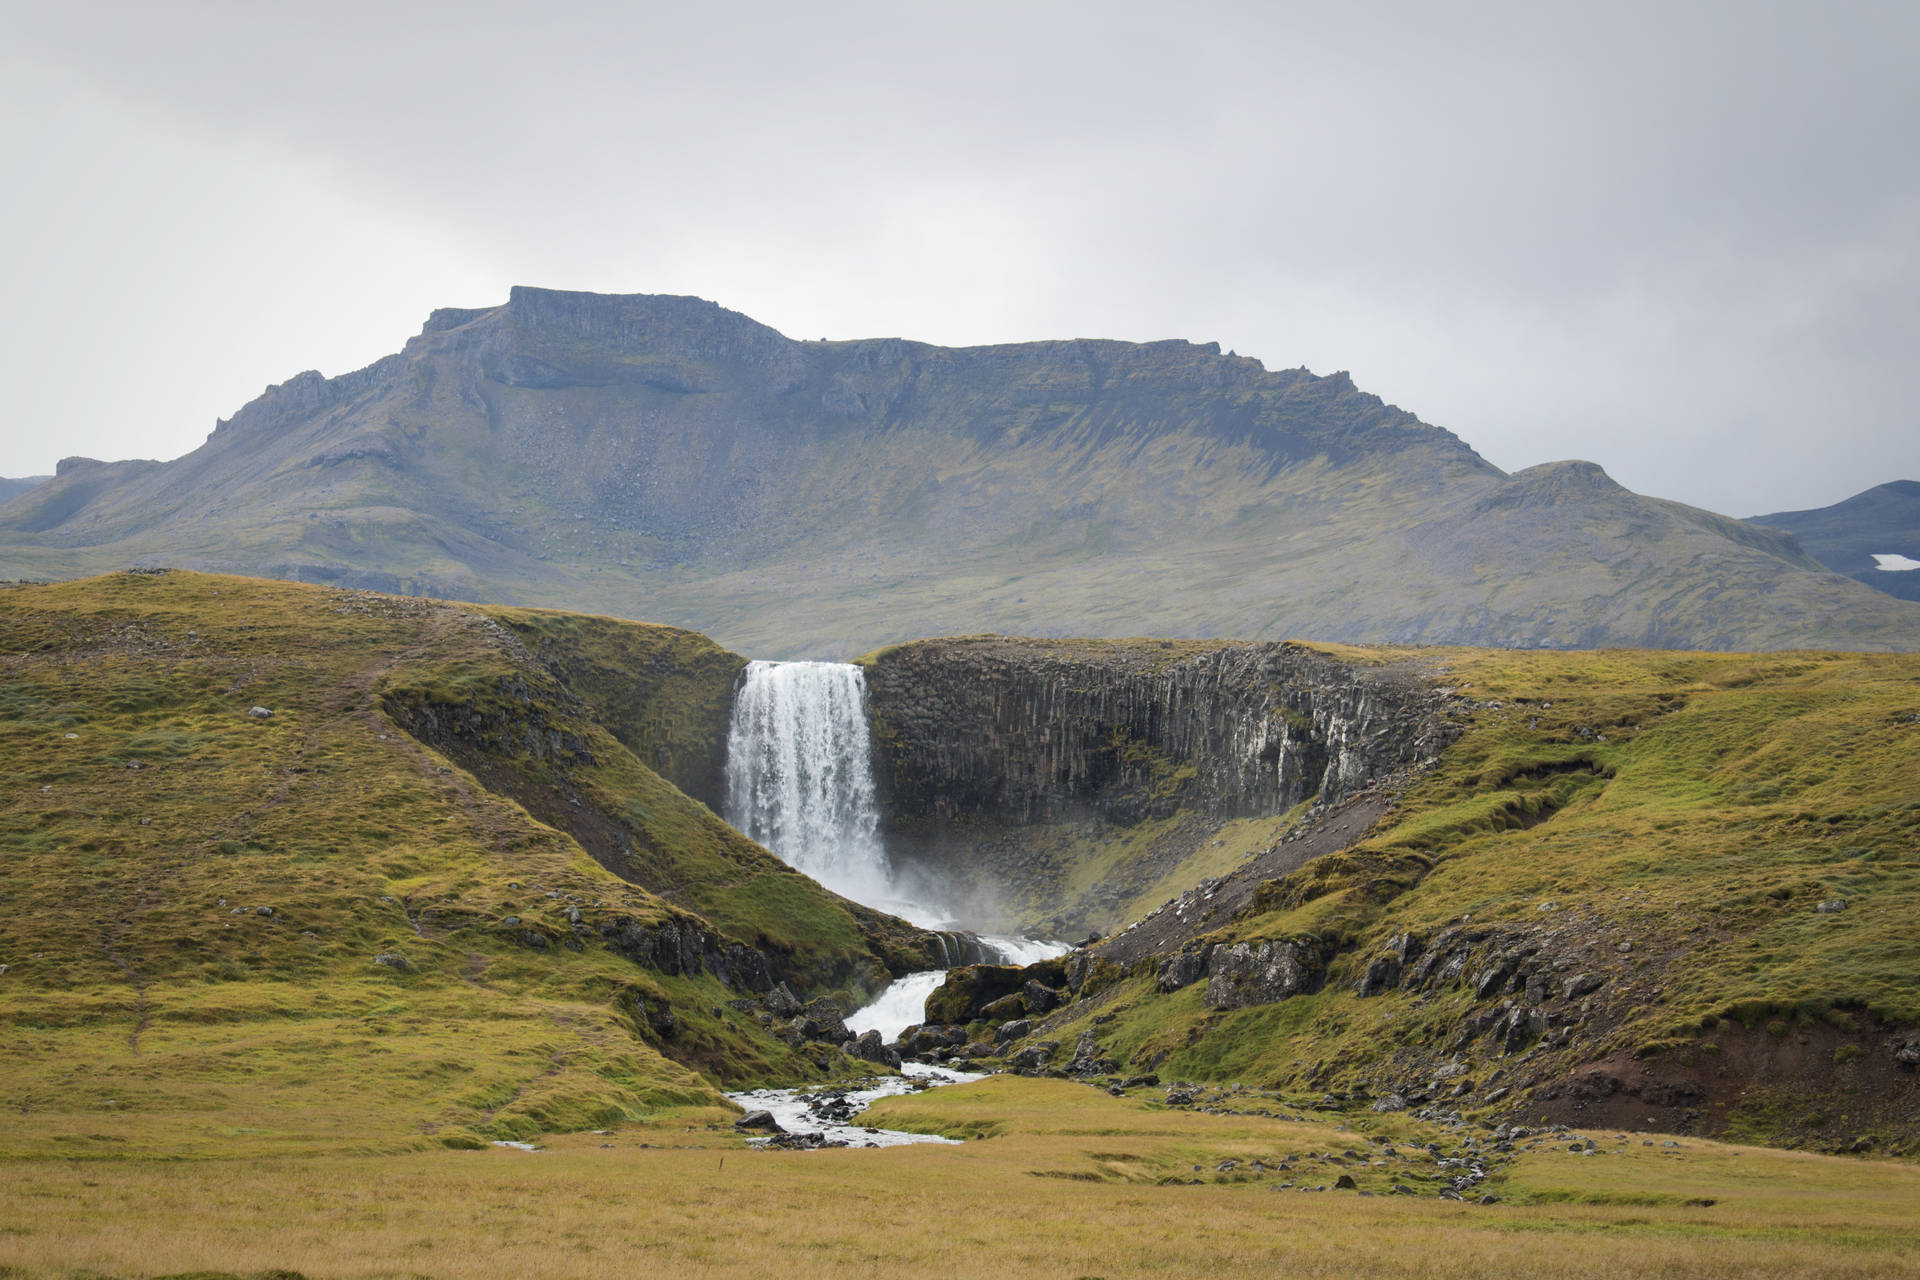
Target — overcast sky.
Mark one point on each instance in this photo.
(1680, 240)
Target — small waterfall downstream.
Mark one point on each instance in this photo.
(800, 781)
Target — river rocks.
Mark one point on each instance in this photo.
(820, 1020)
(1242, 974)
(926, 1041)
(759, 1121)
(868, 1047)
(970, 989)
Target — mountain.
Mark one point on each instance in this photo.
(662, 457)
(12, 488)
(1867, 537)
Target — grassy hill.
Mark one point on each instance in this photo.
(270, 982)
(1708, 865)
(307, 927)
(662, 457)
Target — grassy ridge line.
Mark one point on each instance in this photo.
(1670, 821)
(667, 694)
(194, 898)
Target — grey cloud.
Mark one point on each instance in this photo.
(1677, 239)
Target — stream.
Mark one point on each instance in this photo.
(826, 1116)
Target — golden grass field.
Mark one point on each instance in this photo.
(1068, 1188)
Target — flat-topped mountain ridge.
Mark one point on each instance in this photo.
(664, 457)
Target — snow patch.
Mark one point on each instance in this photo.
(1894, 563)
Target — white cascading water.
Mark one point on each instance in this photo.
(800, 781)
(800, 777)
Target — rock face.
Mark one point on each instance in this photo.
(682, 947)
(1029, 731)
(1004, 764)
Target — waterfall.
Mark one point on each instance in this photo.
(800, 781)
(800, 775)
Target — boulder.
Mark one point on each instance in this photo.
(970, 989)
(1041, 998)
(1013, 1006)
(1033, 1058)
(782, 1002)
(1011, 1031)
(1241, 974)
(869, 1047)
(394, 960)
(762, 1121)
(1183, 969)
(1581, 984)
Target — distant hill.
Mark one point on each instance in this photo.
(662, 457)
(11, 488)
(1866, 537)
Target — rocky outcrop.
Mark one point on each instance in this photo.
(1240, 974)
(1004, 766)
(1032, 731)
(677, 947)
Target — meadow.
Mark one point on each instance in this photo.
(1072, 1183)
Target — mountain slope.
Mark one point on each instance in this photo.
(662, 457)
(1849, 537)
(10, 488)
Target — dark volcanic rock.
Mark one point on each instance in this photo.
(1241, 974)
